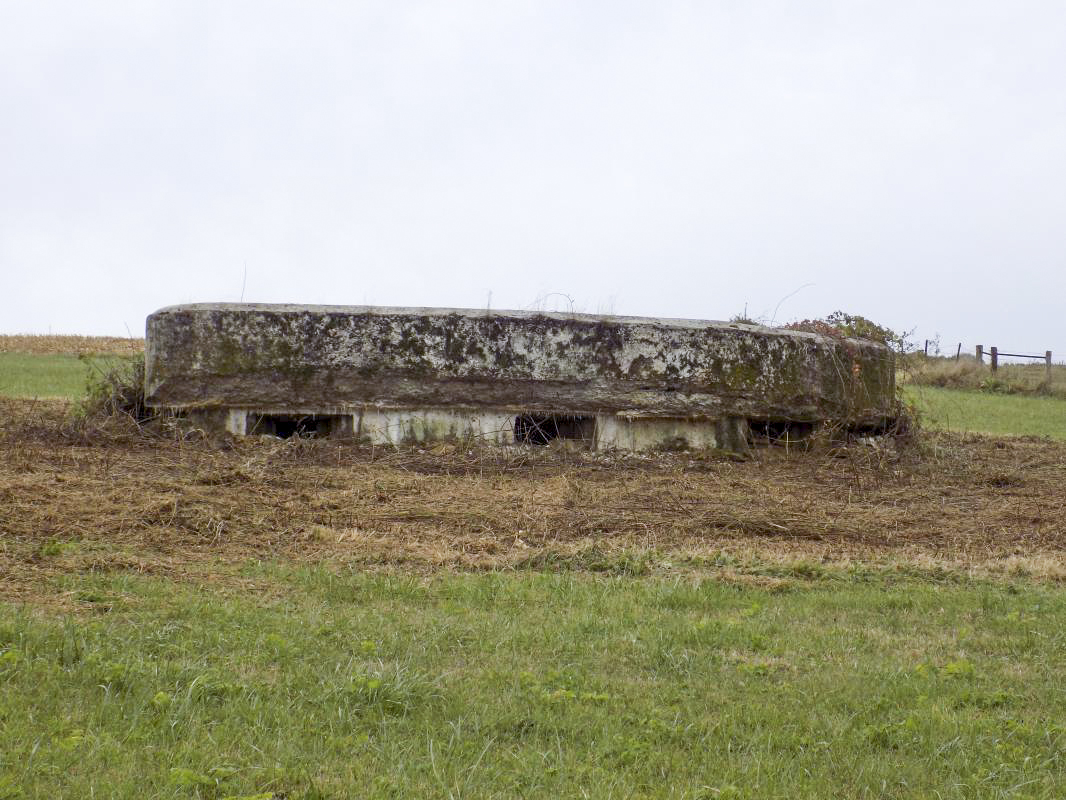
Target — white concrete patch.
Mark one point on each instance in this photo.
(237, 421)
(643, 433)
(427, 425)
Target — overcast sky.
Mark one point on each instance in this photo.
(900, 159)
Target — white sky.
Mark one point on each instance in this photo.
(902, 159)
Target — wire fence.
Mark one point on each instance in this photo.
(995, 353)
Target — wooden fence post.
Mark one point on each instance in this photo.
(1047, 363)
(995, 358)
(980, 354)
(958, 352)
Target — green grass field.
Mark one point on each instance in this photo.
(1011, 378)
(309, 683)
(52, 375)
(985, 412)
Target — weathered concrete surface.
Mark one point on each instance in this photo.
(406, 363)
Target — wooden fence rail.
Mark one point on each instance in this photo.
(995, 354)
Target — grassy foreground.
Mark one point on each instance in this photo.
(304, 682)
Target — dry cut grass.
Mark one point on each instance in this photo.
(89, 497)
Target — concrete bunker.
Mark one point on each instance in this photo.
(408, 375)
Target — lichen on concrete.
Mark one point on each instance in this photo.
(248, 356)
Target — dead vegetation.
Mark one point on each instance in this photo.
(967, 373)
(103, 495)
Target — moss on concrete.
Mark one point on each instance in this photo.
(204, 356)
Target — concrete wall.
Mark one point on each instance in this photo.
(392, 367)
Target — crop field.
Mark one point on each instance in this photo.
(263, 618)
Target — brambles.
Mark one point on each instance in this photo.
(904, 424)
(852, 326)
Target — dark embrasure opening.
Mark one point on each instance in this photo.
(541, 429)
(285, 426)
(779, 431)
